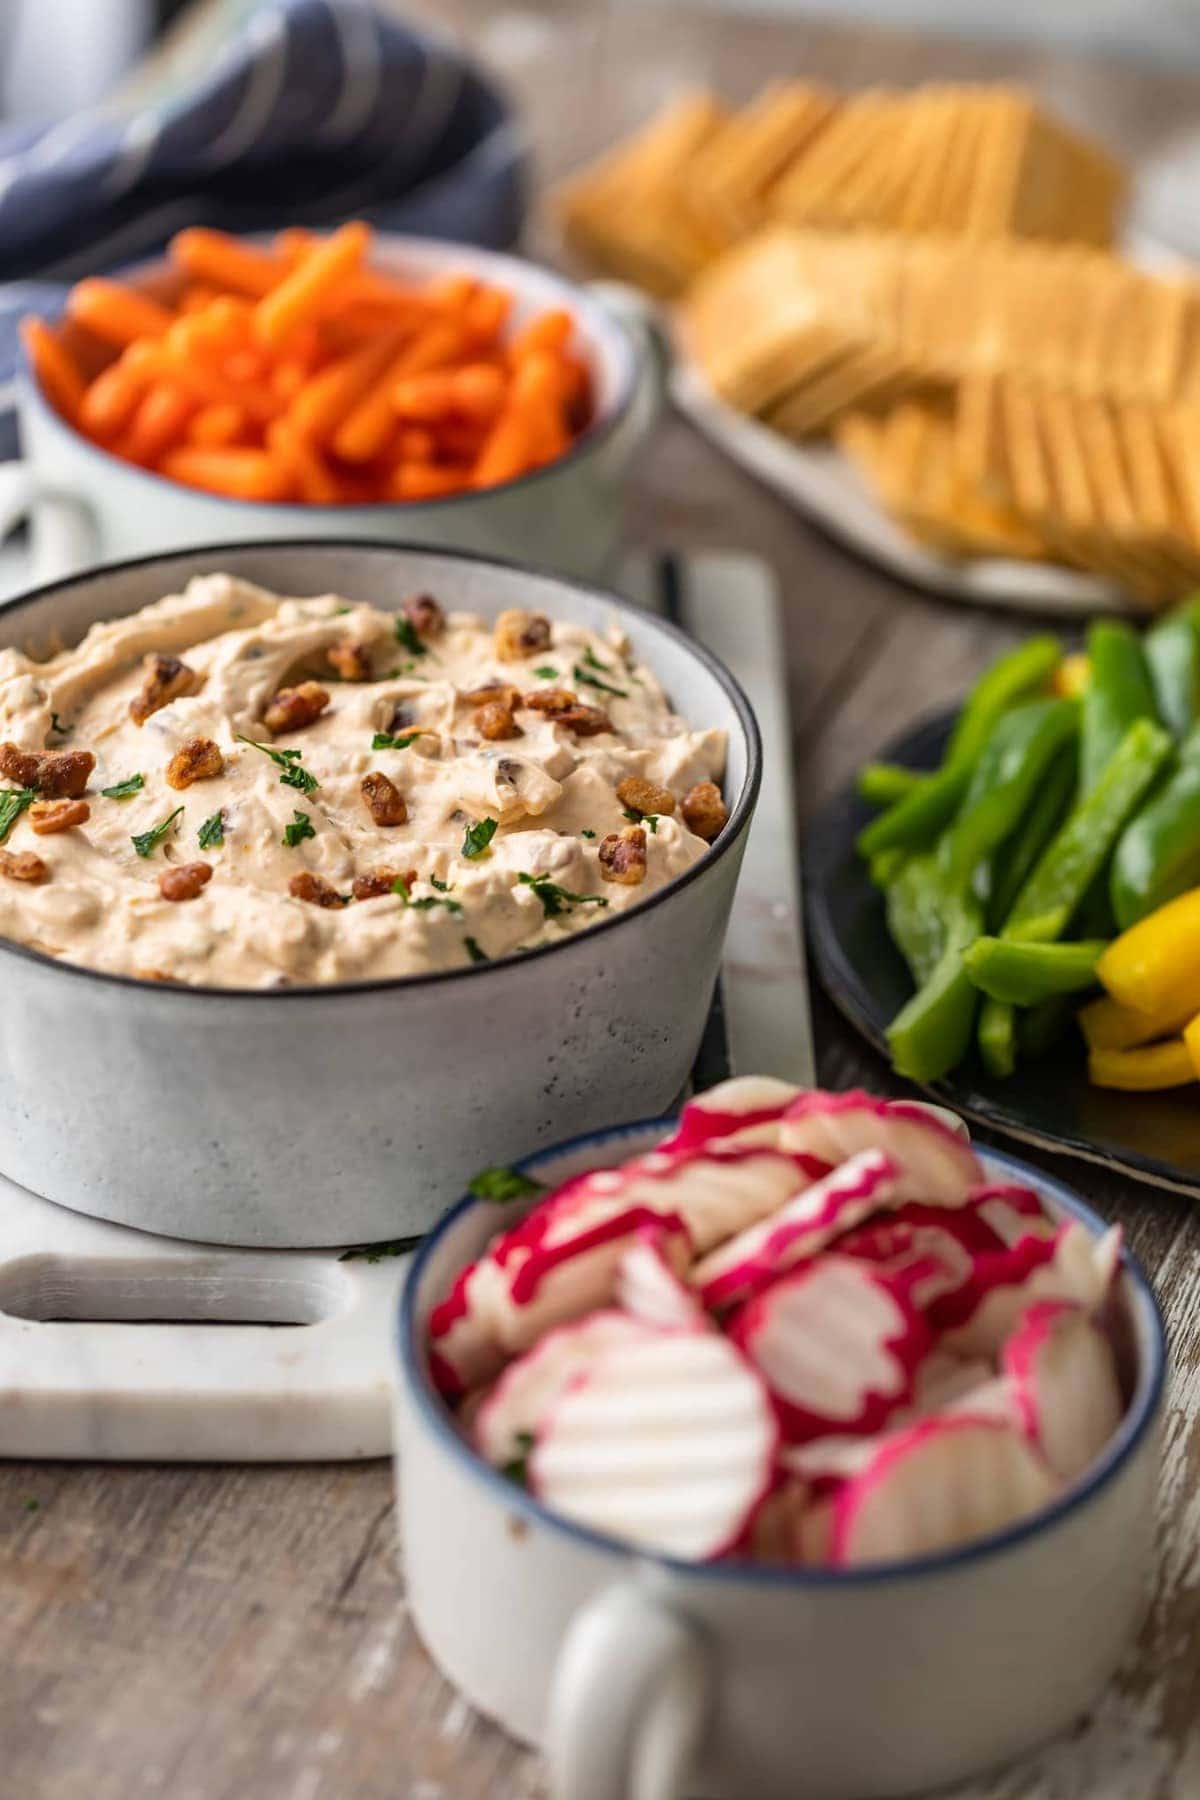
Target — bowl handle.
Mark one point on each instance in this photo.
(628, 1700)
(63, 536)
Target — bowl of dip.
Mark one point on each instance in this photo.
(376, 884)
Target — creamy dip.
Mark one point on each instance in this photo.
(508, 842)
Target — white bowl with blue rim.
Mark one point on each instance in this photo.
(643, 1675)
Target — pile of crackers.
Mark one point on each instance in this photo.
(927, 280)
(978, 161)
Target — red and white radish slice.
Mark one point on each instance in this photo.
(837, 1344)
(944, 1380)
(517, 1402)
(796, 1231)
(947, 1240)
(463, 1349)
(940, 1165)
(936, 1484)
(1063, 1371)
(1072, 1265)
(649, 1289)
(1011, 1211)
(746, 1108)
(669, 1442)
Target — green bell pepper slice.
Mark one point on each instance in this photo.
(1007, 781)
(1158, 854)
(1118, 694)
(1172, 651)
(1025, 974)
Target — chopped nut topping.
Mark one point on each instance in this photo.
(291, 709)
(385, 802)
(623, 857)
(165, 679)
(520, 634)
(185, 881)
(584, 721)
(197, 760)
(49, 816)
(55, 773)
(645, 796)
(379, 882)
(551, 700)
(495, 720)
(310, 887)
(22, 865)
(704, 811)
(351, 660)
(499, 691)
(424, 615)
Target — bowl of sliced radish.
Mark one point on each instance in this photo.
(790, 1447)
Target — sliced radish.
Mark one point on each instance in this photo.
(463, 1349)
(936, 1484)
(519, 1399)
(1011, 1210)
(649, 1289)
(773, 1531)
(1072, 1265)
(1065, 1376)
(827, 1463)
(943, 1380)
(669, 1442)
(836, 1343)
(940, 1165)
(746, 1104)
(796, 1231)
(949, 1240)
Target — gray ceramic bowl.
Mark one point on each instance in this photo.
(349, 1114)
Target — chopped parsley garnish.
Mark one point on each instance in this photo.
(517, 1467)
(339, 610)
(557, 899)
(637, 818)
(545, 673)
(477, 838)
(299, 829)
(13, 802)
(474, 952)
(443, 887)
(56, 724)
(384, 740)
(606, 687)
(121, 790)
(211, 834)
(426, 903)
(501, 1185)
(374, 1253)
(586, 833)
(406, 634)
(146, 842)
(288, 761)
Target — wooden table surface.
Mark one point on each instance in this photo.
(221, 1634)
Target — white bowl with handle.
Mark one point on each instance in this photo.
(645, 1676)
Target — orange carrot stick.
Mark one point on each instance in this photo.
(223, 261)
(426, 481)
(240, 474)
(116, 313)
(108, 405)
(217, 424)
(312, 480)
(296, 300)
(158, 423)
(324, 401)
(367, 427)
(55, 368)
(548, 331)
(485, 313)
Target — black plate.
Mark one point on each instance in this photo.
(1050, 1102)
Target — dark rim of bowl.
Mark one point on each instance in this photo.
(1139, 1416)
(733, 830)
(589, 311)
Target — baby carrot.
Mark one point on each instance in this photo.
(508, 450)
(475, 391)
(55, 368)
(116, 313)
(158, 422)
(225, 262)
(367, 427)
(217, 424)
(548, 331)
(312, 480)
(301, 291)
(425, 481)
(109, 402)
(239, 474)
(324, 401)
(484, 314)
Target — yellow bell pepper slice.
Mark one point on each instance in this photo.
(1156, 963)
(1072, 676)
(1107, 1025)
(1191, 1038)
(1152, 1066)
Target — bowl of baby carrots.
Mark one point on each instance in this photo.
(347, 384)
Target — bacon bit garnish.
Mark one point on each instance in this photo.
(22, 865)
(424, 615)
(55, 773)
(165, 679)
(520, 634)
(623, 857)
(49, 816)
(380, 882)
(495, 721)
(383, 798)
(310, 887)
(351, 660)
(185, 881)
(197, 760)
(291, 709)
(704, 811)
(645, 796)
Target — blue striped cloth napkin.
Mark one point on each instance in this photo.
(315, 111)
